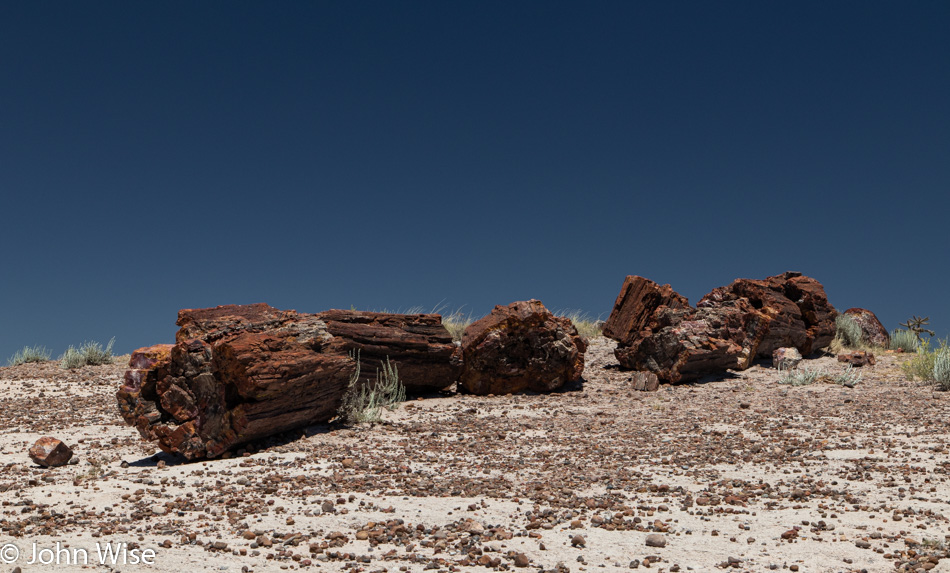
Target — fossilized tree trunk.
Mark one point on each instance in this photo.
(242, 372)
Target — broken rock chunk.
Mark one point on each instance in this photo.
(50, 452)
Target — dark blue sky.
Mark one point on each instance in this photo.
(314, 155)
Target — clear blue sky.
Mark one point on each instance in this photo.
(315, 155)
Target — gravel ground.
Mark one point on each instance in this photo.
(738, 472)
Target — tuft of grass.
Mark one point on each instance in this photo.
(29, 354)
(456, 323)
(364, 403)
(904, 340)
(849, 377)
(88, 353)
(587, 326)
(800, 376)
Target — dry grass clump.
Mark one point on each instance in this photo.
(456, 323)
(29, 354)
(587, 326)
(88, 353)
(364, 403)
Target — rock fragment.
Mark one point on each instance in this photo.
(50, 452)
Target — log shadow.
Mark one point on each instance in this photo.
(153, 460)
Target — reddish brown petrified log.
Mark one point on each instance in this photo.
(521, 347)
(639, 298)
(658, 331)
(242, 372)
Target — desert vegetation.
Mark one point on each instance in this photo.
(29, 354)
(88, 354)
(586, 325)
(364, 403)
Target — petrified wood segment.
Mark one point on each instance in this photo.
(633, 310)
(658, 331)
(519, 347)
(242, 372)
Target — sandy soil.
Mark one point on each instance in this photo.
(738, 473)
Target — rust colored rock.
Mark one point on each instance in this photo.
(635, 306)
(50, 452)
(243, 372)
(786, 358)
(874, 332)
(857, 358)
(520, 347)
(796, 306)
(645, 381)
(686, 344)
(658, 331)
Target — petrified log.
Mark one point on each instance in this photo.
(520, 347)
(242, 372)
(796, 307)
(871, 328)
(658, 331)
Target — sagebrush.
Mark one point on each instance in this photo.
(848, 333)
(941, 369)
(904, 340)
(29, 354)
(923, 363)
(88, 354)
(800, 376)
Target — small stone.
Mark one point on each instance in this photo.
(348, 463)
(521, 560)
(656, 540)
(578, 541)
(362, 535)
(50, 452)
(786, 358)
(862, 544)
(327, 507)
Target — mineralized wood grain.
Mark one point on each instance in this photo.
(658, 331)
(242, 372)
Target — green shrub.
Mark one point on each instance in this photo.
(800, 377)
(848, 332)
(941, 370)
(586, 326)
(904, 340)
(29, 354)
(88, 353)
(364, 402)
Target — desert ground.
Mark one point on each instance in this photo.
(737, 472)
